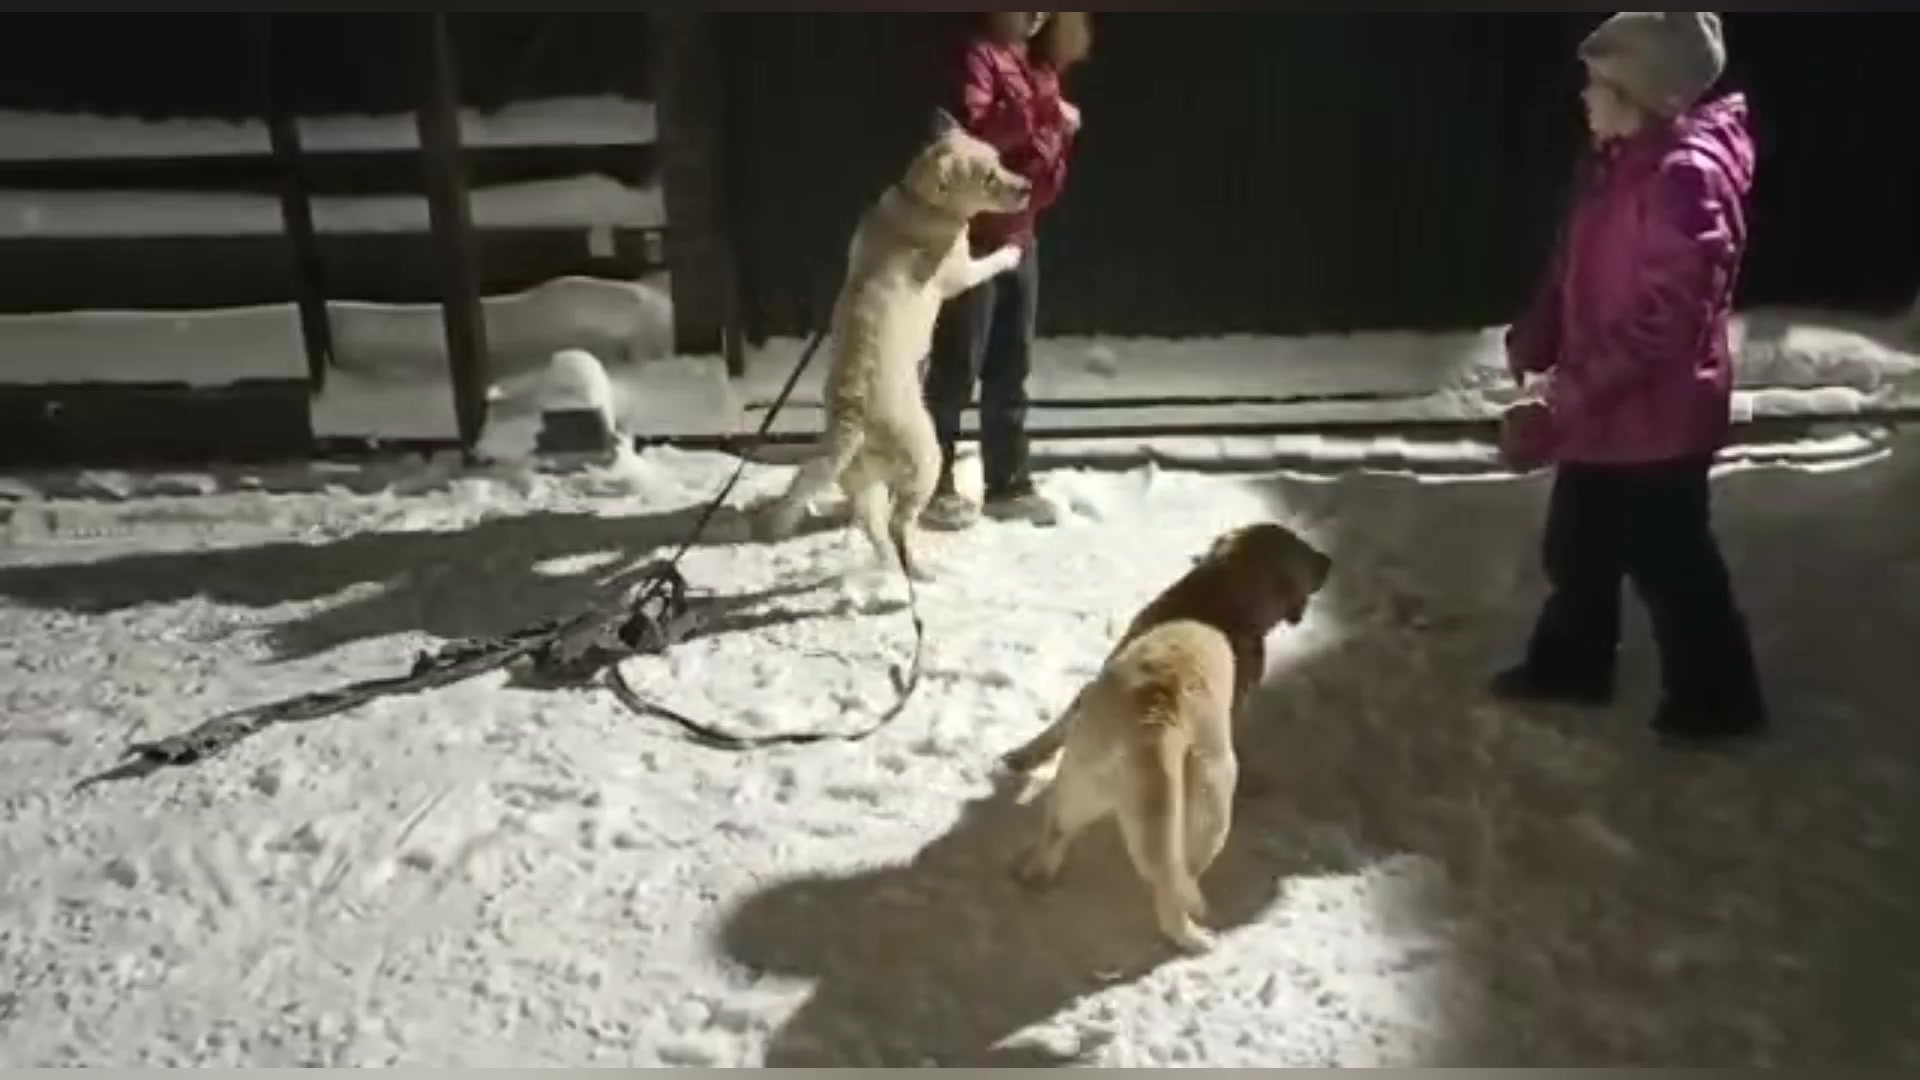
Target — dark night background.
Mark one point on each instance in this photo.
(1240, 172)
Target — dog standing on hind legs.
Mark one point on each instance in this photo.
(909, 256)
(1150, 740)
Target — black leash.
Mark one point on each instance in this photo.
(904, 683)
(650, 617)
(568, 651)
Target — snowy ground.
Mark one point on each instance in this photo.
(499, 875)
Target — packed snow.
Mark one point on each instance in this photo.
(604, 120)
(496, 874)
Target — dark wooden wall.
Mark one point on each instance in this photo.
(207, 65)
(200, 66)
(1277, 173)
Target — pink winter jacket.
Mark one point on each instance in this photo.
(1632, 316)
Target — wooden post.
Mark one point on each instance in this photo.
(452, 222)
(690, 100)
(296, 205)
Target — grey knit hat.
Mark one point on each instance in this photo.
(1665, 60)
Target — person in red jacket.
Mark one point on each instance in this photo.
(1005, 89)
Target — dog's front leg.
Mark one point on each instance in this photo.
(970, 274)
(778, 519)
(1249, 670)
(1209, 819)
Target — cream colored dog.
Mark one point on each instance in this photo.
(1150, 740)
(909, 256)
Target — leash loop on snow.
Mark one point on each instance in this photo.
(649, 618)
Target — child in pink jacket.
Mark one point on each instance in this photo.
(1629, 329)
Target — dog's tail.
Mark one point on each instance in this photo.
(1042, 747)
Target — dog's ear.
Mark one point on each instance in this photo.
(946, 172)
(1301, 580)
(944, 124)
(1296, 604)
(1222, 546)
(1291, 594)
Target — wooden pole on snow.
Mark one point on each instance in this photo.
(296, 205)
(690, 90)
(452, 223)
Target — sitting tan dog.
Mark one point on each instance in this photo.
(1150, 740)
(909, 256)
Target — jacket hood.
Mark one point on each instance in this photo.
(1721, 130)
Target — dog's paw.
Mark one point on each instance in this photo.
(773, 521)
(1190, 938)
(1005, 260)
(1035, 872)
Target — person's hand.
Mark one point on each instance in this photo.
(1072, 114)
(1527, 436)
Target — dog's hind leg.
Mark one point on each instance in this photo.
(1071, 804)
(903, 535)
(915, 474)
(779, 518)
(1210, 788)
(866, 491)
(1153, 823)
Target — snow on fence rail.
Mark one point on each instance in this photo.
(584, 202)
(574, 121)
(104, 212)
(146, 266)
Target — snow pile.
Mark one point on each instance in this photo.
(1457, 375)
(584, 202)
(390, 375)
(576, 121)
(1806, 350)
(501, 875)
(205, 348)
(575, 381)
(621, 322)
(1791, 364)
(391, 381)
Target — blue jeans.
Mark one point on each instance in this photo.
(985, 338)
